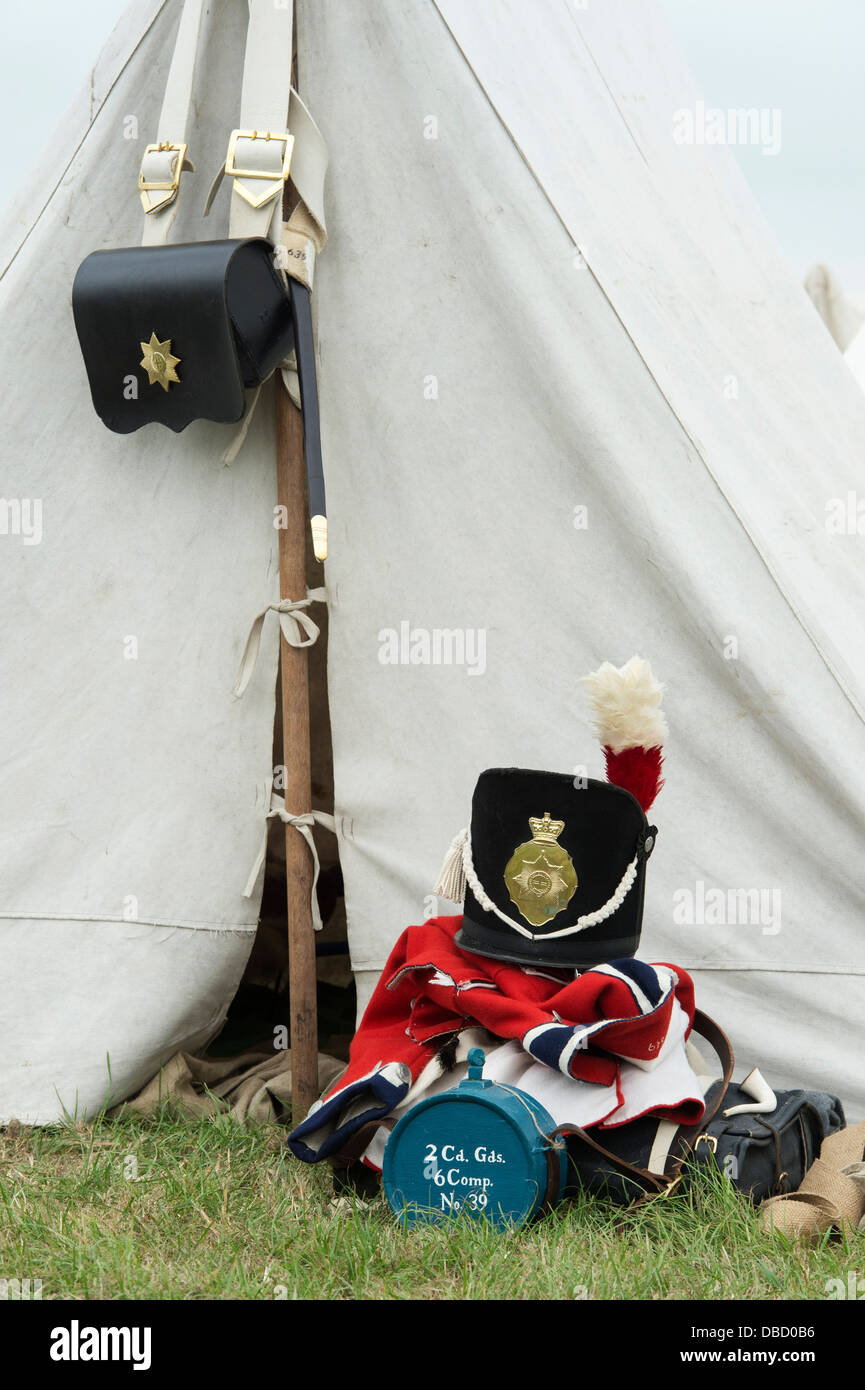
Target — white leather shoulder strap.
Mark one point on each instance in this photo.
(308, 163)
(260, 150)
(163, 162)
(276, 130)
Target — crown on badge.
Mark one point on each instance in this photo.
(543, 828)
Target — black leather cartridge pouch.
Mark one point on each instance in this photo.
(172, 334)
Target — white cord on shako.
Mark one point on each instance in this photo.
(458, 870)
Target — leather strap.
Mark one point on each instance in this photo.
(160, 165)
(256, 199)
(268, 103)
(308, 167)
(687, 1135)
(304, 347)
(554, 1184)
(648, 1182)
(263, 108)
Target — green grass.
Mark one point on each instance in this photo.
(178, 1208)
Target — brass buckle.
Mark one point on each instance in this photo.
(146, 185)
(710, 1139)
(234, 171)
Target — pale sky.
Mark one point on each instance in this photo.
(805, 57)
(802, 56)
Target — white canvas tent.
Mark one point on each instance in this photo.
(575, 405)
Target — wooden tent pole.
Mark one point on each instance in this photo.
(303, 1010)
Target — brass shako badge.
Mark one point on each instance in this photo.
(540, 875)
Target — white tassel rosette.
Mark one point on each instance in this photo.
(451, 883)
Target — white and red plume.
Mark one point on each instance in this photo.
(626, 712)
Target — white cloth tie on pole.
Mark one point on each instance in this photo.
(294, 622)
(303, 824)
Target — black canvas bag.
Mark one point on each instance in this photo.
(767, 1155)
(761, 1155)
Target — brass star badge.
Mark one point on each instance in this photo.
(159, 363)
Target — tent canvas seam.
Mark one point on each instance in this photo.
(242, 927)
(716, 967)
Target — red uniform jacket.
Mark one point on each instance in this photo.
(430, 989)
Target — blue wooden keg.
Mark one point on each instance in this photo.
(478, 1151)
